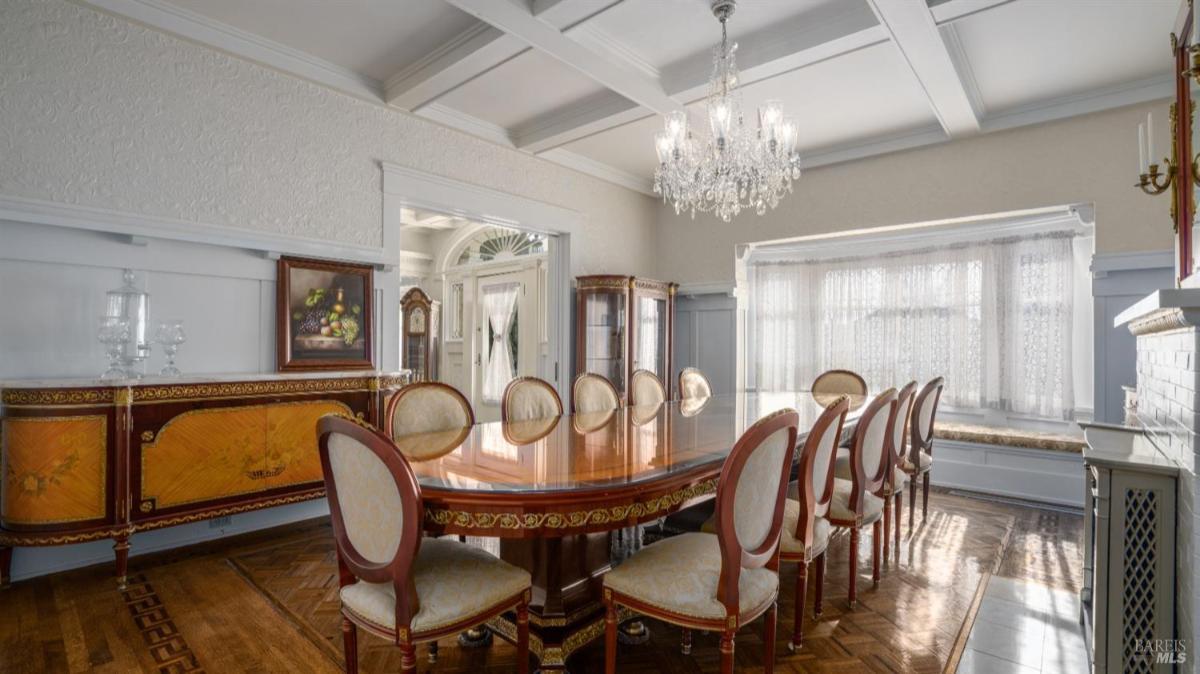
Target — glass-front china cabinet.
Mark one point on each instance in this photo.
(419, 335)
(625, 323)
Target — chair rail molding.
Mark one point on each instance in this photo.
(142, 228)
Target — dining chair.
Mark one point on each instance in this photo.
(838, 382)
(919, 459)
(394, 583)
(693, 384)
(717, 582)
(425, 407)
(645, 388)
(593, 393)
(527, 398)
(897, 480)
(854, 504)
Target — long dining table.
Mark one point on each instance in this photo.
(557, 492)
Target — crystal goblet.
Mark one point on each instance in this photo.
(170, 335)
(113, 333)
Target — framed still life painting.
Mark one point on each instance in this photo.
(324, 318)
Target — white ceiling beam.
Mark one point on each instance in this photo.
(476, 51)
(953, 10)
(518, 21)
(916, 36)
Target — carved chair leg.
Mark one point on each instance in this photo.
(350, 645)
(727, 652)
(801, 594)
(408, 658)
(610, 635)
(769, 637)
(853, 594)
(121, 550)
(6, 554)
(523, 638)
(887, 527)
(819, 597)
(899, 509)
(876, 542)
(685, 642)
(912, 503)
(925, 496)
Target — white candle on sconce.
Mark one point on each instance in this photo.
(1141, 134)
(1195, 31)
(1150, 138)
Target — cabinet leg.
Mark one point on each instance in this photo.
(121, 550)
(5, 566)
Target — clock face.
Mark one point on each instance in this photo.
(416, 322)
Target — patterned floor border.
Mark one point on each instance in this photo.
(167, 646)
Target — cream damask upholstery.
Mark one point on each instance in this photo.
(681, 573)
(753, 502)
(841, 469)
(837, 382)
(693, 384)
(594, 393)
(454, 581)
(530, 398)
(646, 388)
(825, 455)
(875, 443)
(787, 539)
(372, 511)
(426, 409)
(924, 459)
(839, 505)
(923, 416)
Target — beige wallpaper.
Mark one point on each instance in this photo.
(98, 111)
(1084, 159)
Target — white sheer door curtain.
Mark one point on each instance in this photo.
(993, 317)
(500, 303)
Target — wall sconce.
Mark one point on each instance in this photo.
(1151, 179)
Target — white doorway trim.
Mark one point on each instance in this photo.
(411, 188)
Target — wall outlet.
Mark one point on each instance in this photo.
(220, 522)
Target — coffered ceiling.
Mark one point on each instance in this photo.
(583, 82)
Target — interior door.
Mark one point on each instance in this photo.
(491, 370)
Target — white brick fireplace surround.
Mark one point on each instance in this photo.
(1168, 387)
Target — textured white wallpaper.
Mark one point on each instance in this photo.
(101, 112)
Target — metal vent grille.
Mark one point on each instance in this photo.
(1140, 561)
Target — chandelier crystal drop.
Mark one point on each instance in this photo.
(734, 167)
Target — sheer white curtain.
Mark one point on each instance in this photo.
(500, 303)
(993, 317)
(648, 326)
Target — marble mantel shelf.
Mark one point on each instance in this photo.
(1164, 309)
(206, 378)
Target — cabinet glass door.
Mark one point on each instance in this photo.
(650, 352)
(604, 321)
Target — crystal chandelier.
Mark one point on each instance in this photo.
(735, 167)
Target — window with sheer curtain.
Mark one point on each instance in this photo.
(992, 317)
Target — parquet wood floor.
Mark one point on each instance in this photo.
(267, 602)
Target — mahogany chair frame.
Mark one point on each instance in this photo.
(892, 492)
(733, 557)
(644, 373)
(695, 372)
(922, 442)
(863, 484)
(850, 373)
(353, 567)
(389, 413)
(833, 420)
(528, 381)
(579, 377)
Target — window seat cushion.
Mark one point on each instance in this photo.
(1008, 437)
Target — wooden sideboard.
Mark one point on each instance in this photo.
(88, 460)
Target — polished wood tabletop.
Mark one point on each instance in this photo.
(522, 476)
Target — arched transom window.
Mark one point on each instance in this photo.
(498, 243)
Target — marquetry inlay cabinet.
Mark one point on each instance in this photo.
(625, 323)
(88, 460)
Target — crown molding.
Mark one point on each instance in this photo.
(1117, 96)
(600, 170)
(195, 27)
(461, 121)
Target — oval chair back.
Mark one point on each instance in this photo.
(693, 384)
(527, 398)
(870, 458)
(815, 476)
(834, 382)
(750, 498)
(924, 413)
(645, 388)
(593, 393)
(426, 407)
(377, 517)
(897, 446)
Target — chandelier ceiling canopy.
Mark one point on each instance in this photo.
(735, 167)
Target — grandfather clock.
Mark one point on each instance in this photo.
(419, 335)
